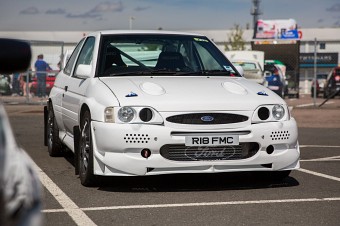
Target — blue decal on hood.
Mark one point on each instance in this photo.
(262, 93)
(132, 94)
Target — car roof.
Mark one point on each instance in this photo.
(140, 32)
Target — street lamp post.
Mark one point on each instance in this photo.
(130, 22)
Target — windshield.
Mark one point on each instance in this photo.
(161, 54)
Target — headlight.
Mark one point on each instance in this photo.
(271, 113)
(126, 114)
(278, 112)
(133, 115)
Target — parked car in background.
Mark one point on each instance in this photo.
(252, 70)
(332, 85)
(50, 79)
(252, 63)
(275, 80)
(142, 103)
(5, 84)
(320, 84)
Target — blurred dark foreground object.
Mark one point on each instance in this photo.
(20, 188)
(15, 55)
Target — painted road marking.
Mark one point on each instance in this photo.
(77, 214)
(319, 146)
(199, 204)
(319, 174)
(332, 158)
(311, 104)
(80, 218)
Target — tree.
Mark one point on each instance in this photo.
(235, 39)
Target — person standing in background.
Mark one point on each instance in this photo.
(16, 84)
(41, 68)
(26, 82)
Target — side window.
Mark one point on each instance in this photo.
(70, 62)
(86, 53)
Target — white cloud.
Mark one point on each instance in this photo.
(334, 8)
(56, 11)
(30, 11)
(140, 8)
(108, 7)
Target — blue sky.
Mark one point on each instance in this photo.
(90, 15)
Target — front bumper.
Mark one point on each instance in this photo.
(117, 149)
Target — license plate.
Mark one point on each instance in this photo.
(211, 140)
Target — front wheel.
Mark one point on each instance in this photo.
(54, 145)
(86, 151)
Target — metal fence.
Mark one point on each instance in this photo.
(23, 88)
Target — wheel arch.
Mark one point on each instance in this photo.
(83, 108)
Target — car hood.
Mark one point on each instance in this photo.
(190, 93)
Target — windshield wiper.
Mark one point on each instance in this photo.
(215, 72)
(131, 73)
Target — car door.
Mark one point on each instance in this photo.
(58, 90)
(75, 87)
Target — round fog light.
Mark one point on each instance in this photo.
(263, 113)
(145, 114)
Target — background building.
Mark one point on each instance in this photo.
(54, 44)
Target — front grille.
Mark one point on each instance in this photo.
(207, 118)
(180, 152)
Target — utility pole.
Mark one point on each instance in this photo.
(130, 22)
(315, 70)
(255, 11)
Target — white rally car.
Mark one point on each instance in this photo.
(156, 102)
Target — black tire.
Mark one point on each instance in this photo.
(325, 94)
(54, 145)
(86, 175)
(312, 94)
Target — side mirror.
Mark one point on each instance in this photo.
(267, 74)
(83, 71)
(240, 70)
(15, 55)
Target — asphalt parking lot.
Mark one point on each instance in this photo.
(310, 196)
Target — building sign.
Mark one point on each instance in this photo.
(276, 29)
(322, 59)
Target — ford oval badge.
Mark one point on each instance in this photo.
(207, 118)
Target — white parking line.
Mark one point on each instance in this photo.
(319, 146)
(319, 174)
(332, 158)
(201, 204)
(311, 104)
(78, 215)
(80, 218)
